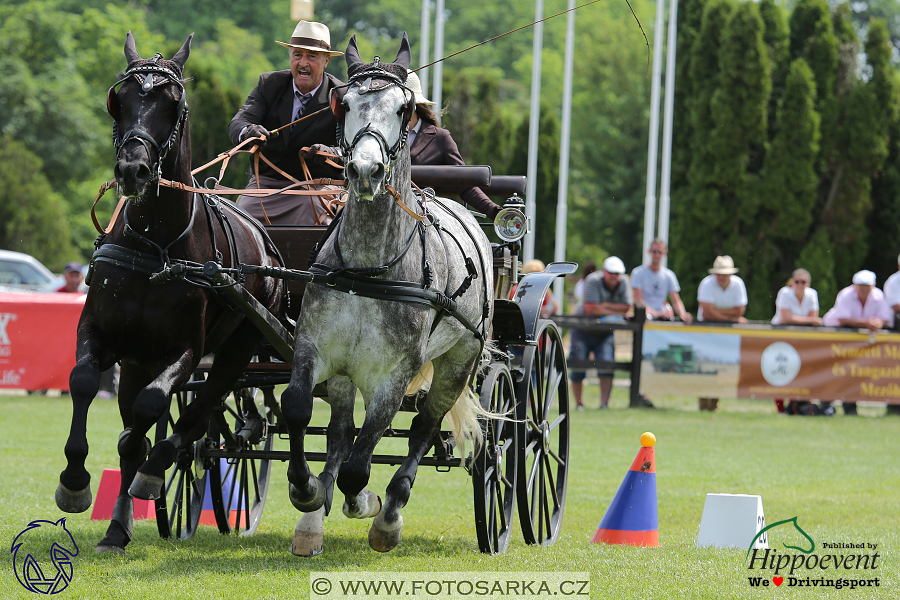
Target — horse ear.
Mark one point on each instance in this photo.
(404, 55)
(182, 55)
(352, 53)
(131, 54)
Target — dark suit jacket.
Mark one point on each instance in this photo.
(434, 146)
(270, 104)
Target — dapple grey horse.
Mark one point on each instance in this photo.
(375, 345)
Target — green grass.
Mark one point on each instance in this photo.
(838, 475)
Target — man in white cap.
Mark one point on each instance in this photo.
(432, 145)
(607, 294)
(861, 306)
(280, 98)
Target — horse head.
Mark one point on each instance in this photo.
(375, 112)
(151, 109)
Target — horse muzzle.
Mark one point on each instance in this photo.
(366, 178)
(133, 176)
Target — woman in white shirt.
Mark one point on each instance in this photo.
(797, 303)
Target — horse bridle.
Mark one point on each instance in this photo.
(363, 83)
(149, 75)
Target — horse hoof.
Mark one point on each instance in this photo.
(105, 549)
(371, 507)
(73, 501)
(146, 487)
(141, 454)
(383, 537)
(307, 543)
(312, 500)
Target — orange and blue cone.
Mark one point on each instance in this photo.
(631, 518)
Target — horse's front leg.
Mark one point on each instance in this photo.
(121, 525)
(306, 492)
(152, 403)
(73, 495)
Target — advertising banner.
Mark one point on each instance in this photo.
(37, 339)
(767, 362)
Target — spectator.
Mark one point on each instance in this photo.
(654, 283)
(797, 304)
(549, 306)
(74, 279)
(589, 267)
(722, 297)
(280, 98)
(607, 294)
(861, 306)
(432, 145)
(892, 290)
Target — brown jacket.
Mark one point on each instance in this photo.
(434, 146)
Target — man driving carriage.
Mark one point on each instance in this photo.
(280, 98)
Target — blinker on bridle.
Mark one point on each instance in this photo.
(149, 75)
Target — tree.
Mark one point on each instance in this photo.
(33, 218)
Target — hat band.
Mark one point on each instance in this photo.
(305, 41)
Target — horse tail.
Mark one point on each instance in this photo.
(463, 417)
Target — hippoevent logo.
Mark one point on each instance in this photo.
(42, 556)
(837, 564)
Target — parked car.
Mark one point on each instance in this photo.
(21, 272)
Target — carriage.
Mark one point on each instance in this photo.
(520, 377)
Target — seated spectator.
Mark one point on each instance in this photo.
(654, 283)
(892, 290)
(797, 304)
(722, 297)
(607, 294)
(861, 306)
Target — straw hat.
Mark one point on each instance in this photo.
(723, 265)
(415, 86)
(311, 36)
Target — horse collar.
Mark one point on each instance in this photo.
(163, 252)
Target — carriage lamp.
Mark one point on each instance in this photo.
(511, 224)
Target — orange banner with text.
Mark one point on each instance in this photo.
(760, 361)
(37, 339)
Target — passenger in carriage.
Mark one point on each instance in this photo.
(432, 145)
(282, 97)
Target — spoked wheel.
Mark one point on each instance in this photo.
(494, 470)
(178, 510)
(238, 484)
(543, 436)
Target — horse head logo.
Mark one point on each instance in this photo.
(41, 544)
(812, 543)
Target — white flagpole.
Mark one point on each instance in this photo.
(666, 172)
(424, 42)
(533, 124)
(653, 143)
(562, 207)
(437, 85)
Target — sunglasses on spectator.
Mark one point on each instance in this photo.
(800, 281)
(656, 252)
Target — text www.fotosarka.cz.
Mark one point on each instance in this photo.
(449, 585)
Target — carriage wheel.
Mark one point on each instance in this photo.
(494, 469)
(238, 486)
(178, 510)
(543, 436)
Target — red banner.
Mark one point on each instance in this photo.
(37, 339)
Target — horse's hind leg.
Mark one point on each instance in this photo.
(73, 495)
(120, 530)
(451, 375)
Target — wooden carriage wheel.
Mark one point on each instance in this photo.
(238, 485)
(494, 469)
(178, 510)
(543, 436)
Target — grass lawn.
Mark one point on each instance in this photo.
(839, 476)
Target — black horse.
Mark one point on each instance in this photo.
(158, 331)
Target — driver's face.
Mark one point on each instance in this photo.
(308, 68)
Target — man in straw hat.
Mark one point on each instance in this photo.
(722, 297)
(280, 98)
(432, 145)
